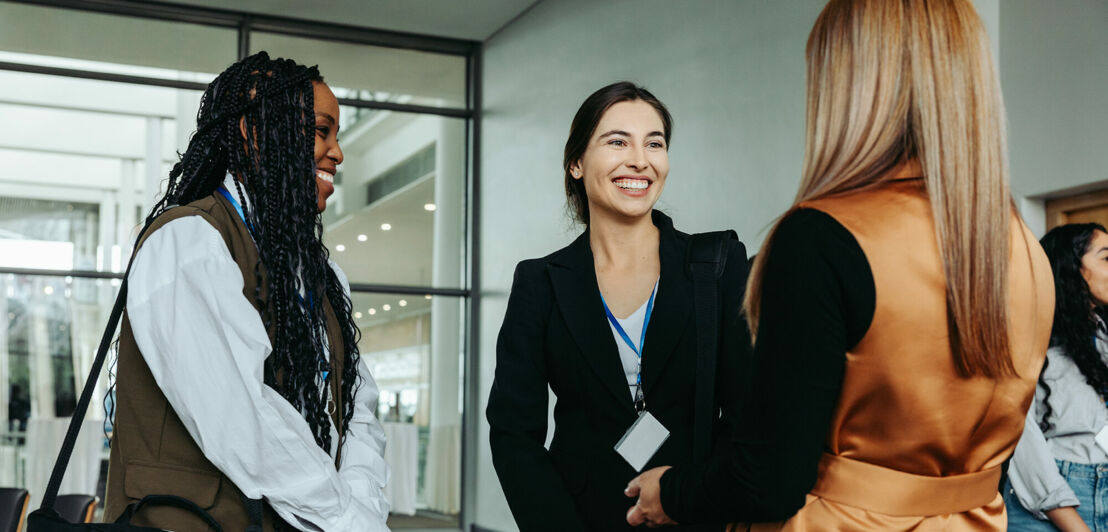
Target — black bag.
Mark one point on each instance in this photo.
(46, 519)
(705, 262)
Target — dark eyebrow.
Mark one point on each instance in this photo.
(329, 118)
(616, 132)
(1102, 249)
(620, 132)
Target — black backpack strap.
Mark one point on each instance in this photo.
(51, 493)
(705, 261)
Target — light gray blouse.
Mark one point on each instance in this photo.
(1078, 415)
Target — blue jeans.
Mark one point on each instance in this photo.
(1088, 481)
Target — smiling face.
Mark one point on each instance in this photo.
(1094, 267)
(626, 162)
(327, 154)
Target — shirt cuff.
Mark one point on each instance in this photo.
(1061, 497)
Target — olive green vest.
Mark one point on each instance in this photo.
(151, 452)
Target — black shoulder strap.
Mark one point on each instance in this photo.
(51, 493)
(705, 260)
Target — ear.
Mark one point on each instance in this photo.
(575, 170)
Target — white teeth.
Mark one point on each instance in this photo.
(632, 184)
(325, 176)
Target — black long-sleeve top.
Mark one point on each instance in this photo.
(817, 302)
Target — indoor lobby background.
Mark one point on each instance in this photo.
(454, 116)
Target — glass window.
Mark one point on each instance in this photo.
(83, 165)
(414, 348)
(398, 213)
(99, 42)
(53, 328)
(375, 73)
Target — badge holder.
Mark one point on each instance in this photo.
(641, 442)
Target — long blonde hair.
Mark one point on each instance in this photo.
(891, 81)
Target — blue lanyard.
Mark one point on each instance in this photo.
(623, 334)
(324, 368)
(238, 208)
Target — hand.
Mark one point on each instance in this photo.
(648, 509)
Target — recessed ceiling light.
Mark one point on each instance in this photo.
(386, 227)
(372, 311)
(340, 248)
(48, 290)
(386, 307)
(358, 315)
(428, 296)
(362, 238)
(403, 302)
(429, 207)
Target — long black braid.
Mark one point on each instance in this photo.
(273, 99)
(1075, 310)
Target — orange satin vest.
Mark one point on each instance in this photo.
(911, 445)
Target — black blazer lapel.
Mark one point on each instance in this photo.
(672, 305)
(573, 277)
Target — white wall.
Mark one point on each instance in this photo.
(1054, 70)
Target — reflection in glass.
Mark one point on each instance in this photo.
(51, 235)
(67, 180)
(398, 212)
(413, 347)
(53, 328)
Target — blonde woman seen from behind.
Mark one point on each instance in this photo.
(900, 307)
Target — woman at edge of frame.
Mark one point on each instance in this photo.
(900, 309)
(560, 329)
(1056, 474)
(238, 373)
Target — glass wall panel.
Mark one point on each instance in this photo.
(375, 73)
(398, 212)
(414, 349)
(99, 42)
(82, 164)
(52, 329)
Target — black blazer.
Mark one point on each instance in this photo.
(556, 333)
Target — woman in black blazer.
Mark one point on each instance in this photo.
(627, 268)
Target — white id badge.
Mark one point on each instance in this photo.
(642, 440)
(1102, 439)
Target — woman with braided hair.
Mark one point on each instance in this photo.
(1056, 477)
(238, 375)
